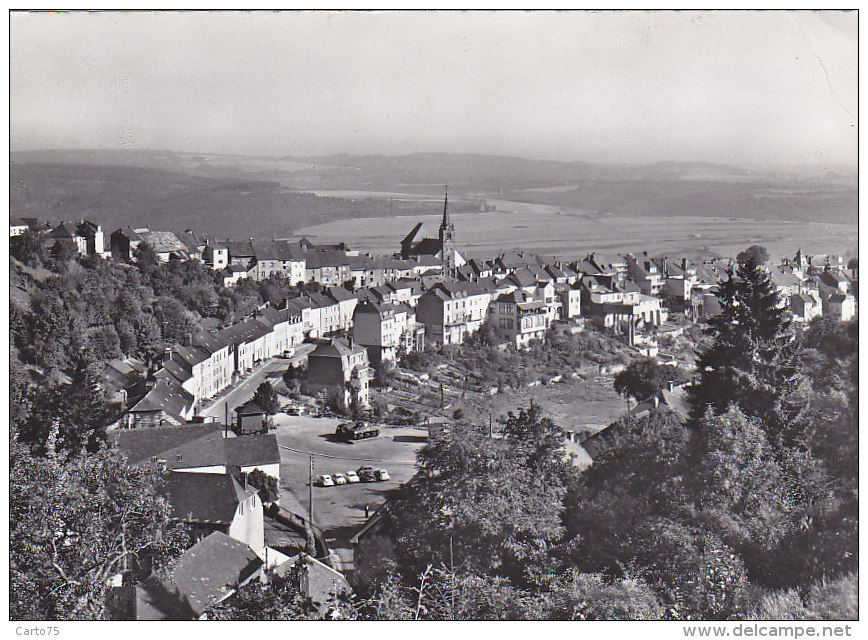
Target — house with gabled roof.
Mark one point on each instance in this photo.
(804, 307)
(198, 448)
(645, 273)
(519, 318)
(202, 577)
(166, 403)
(66, 233)
(384, 329)
(840, 306)
(209, 502)
(451, 311)
(340, 368)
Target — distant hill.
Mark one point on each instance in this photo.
(116, 196)
(233, 194)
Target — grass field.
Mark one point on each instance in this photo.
(572, 233)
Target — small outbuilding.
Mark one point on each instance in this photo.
(251, 418)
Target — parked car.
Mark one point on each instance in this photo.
(367, 473)
(340, 478)
(352, 477)
(324, 481)
(382, 474)
(296, 409)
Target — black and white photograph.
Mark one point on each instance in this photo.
(437, 315)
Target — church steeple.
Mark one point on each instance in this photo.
(447, 237)
(445, 224)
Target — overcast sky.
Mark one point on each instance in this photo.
(746, 88)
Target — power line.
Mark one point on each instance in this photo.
(326, 455)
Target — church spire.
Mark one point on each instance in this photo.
(445, 223)
(447, 238)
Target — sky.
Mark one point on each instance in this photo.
(773, 88)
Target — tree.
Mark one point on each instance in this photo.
(269, 491)
(643, 377)
(146, 259)
(29, 248)
(64, 251)
(266, 397)
(489, 506)
(750, 361)
(593, 596)
(73, 413)
(75, 521)
(755, 252)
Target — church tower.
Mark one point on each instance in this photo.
(447, 239)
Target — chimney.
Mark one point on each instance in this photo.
(188, 340)
(671, 385)
(656, 401)
(167, 354)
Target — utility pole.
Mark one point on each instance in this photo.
(311, 538)
(452, 580)
(490, 426)
(310, 489)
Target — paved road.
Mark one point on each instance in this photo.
(244, 390)
(340, 510)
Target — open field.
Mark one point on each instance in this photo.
(573, 404)
(571, 233)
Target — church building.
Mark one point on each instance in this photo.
(416, 243)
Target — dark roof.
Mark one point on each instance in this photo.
(171, 398)
(250, 408)
(340, 294)
(335, 349)
(140, 445)
(197, 580)
(426, 246)
(194, 445)
(319, 582)
(318, 259)
(459, 289)
(241, 249)
(251, 451)
(62, 231)
(210, 498)
(410, 237)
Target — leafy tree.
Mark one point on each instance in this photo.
(76, 521)
(73, 413)
(174, 319)
(149, 341)
(593, 596)
(146, 258)
(29, 248)
(489, 506)
(696, 575)
(63, 252)
(644, 377)
(641, 472)
(266, 397)
(269, 491)
(54, 333)
(755, 252)
(750, 361)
